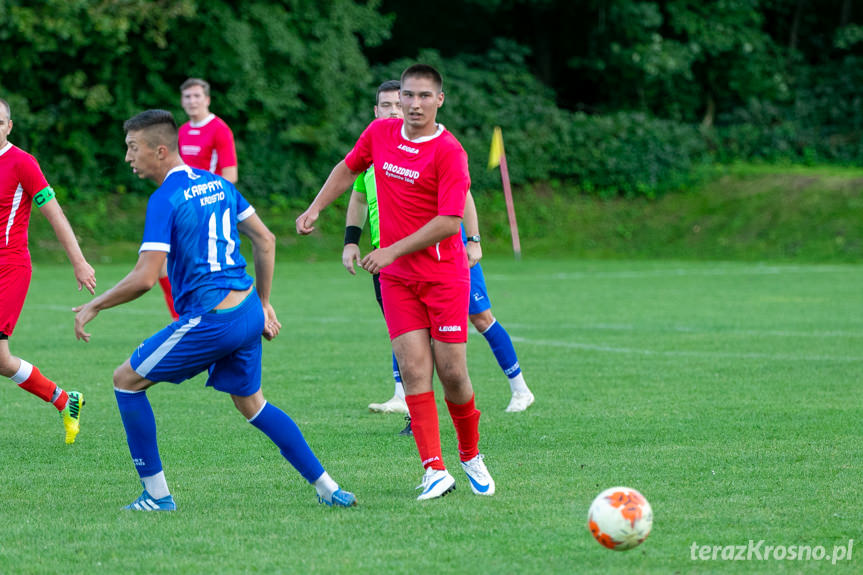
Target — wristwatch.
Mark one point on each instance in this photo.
(473, 238)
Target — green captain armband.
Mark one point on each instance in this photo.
(43, 197)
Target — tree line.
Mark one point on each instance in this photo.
(614, 97)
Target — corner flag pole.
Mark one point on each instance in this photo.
(496, 157)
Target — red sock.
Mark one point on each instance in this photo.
(424, 424)
(465, 418)
(44, 388)
(62, 400)
(169, 299)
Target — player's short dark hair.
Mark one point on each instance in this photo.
(7, 106)
(423, 71)
(195, 82)
(159, 127)
(388, 86)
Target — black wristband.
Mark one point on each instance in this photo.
(352, 234)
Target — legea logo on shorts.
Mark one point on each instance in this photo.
(449, 328)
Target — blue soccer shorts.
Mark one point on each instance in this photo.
(479, 301)
(227, 343)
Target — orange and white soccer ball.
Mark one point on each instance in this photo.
(620, 518)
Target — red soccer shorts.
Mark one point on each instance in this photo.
(14, 283)
(440, 307)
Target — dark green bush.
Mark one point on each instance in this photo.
(624, 153)
(824, 123)
(293, 81)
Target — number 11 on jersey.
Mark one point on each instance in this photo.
(213, 241)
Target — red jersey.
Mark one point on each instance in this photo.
(208, 145)
(21, 178)
(416, 181)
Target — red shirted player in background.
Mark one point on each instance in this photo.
(422, 181)
(22, 182)
(207, 143)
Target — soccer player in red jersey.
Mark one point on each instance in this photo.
(207, 143)
(22, 182)
(422, 180)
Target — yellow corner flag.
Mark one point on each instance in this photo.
(496, 157)
(496, 150)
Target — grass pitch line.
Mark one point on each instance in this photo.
(678, 272)
(122, 310)
(162, 310)
(526, 326)
(719, 354)
(692, 330)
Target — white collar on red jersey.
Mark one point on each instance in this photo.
(203, 122)
(6, 148)
(438, 132)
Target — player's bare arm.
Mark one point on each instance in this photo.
(264, 254)
(438, 228)
(137, 282)
(339, 180)
(471, 229)
(84, 273)
(231, 174)
(358, 209)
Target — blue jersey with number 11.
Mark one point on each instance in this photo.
(193, 217)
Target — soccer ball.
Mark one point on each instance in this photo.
(620, 518)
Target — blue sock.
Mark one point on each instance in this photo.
(501, 347)
(140, 424)
(279, 427)
(397, 375)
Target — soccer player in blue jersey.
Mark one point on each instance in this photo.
(194, 219)
(479, 313)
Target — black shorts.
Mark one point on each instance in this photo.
(376, 279)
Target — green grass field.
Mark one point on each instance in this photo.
(745, 212)
(728, 393)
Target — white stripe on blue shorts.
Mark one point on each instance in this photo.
(163, 350)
